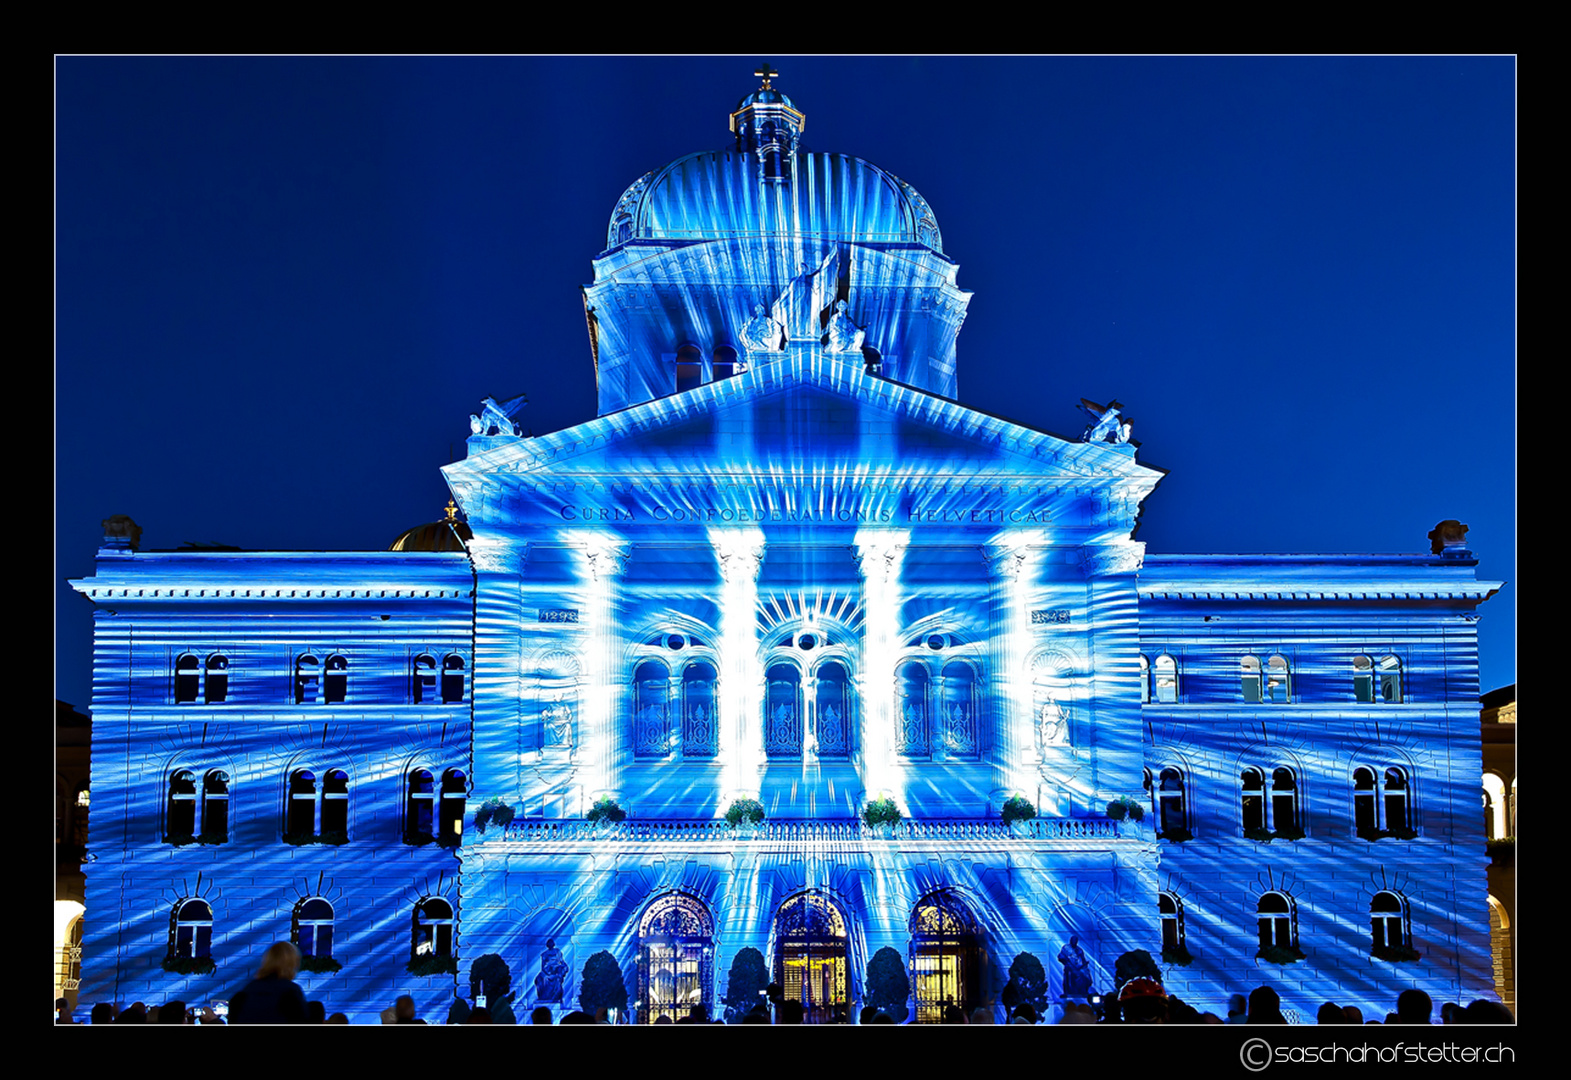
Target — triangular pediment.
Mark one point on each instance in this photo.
(805, 419)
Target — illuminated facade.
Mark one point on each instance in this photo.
(784, 564)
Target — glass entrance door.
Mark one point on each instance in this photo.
(675, 958)
(811, 956)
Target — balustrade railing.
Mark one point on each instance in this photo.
(719, 832)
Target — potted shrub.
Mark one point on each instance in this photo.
(424, 966)
(1126, 807)
(746, 985)
(1395, 954)
(745, 815)
(492, 812)
(888, 986)
(320, 965)
(881, 815)
(190, 965)
(1177, 955)
(1027, 984)
(1279, 954)
(1017, 812)
(605, 813)
(601, 986)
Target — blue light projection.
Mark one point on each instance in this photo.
(784, 565)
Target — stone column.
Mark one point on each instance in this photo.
(1010, 575)
(739, 686)
(1113, 705)
(878, 555)
(602, 745)
(502, 733)
(674, 706)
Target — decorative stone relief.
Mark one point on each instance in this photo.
(877, 559)
(496, 556)
(607, 560)
(1120, 557)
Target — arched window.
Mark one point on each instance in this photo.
(1390, 675)
(68, 976)
(912, 696)
(945, 957)
(783, 712)
(335, 806)
(651, 724)
(1249, 666)
(1273, 813)
(1385, 810)
(723, 362)
(957, 711)
(1374, 683)
(700, 724)
(198, 679)
(433, 929)
(1165, 671)
(1366, 807)
(1171, 810)
(217, 690)
(188, 679)
(1145, 681)
(1279, 687)
(689, 368)
(317, 813)
(314, 928)
(1275, 916)
(335, 683)
(191, 932)
(215, 807)
(424, 679)
(1170, 913)
(455, 793)
(1388, 924)
(1284, 802)
(675, 958)
(832, 708)
(308, 679)
(1494, 807)
(1363, 680)
(420, 807)
(301, 822)
(452, 679)
(1254, 787)
(1398, 817)
(180, 812)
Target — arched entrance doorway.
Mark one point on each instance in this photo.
(675, 958)
(945, 955)
(811, 955)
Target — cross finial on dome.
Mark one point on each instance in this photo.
(765, 72)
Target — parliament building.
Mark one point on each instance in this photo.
(784, 564)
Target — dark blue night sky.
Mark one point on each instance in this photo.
(284, 284)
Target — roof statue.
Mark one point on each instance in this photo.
(1108, 424)
(495, 419)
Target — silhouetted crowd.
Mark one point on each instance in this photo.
(273, 997)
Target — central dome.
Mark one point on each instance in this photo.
(767, 185)
(726, 260)
(717, 194)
